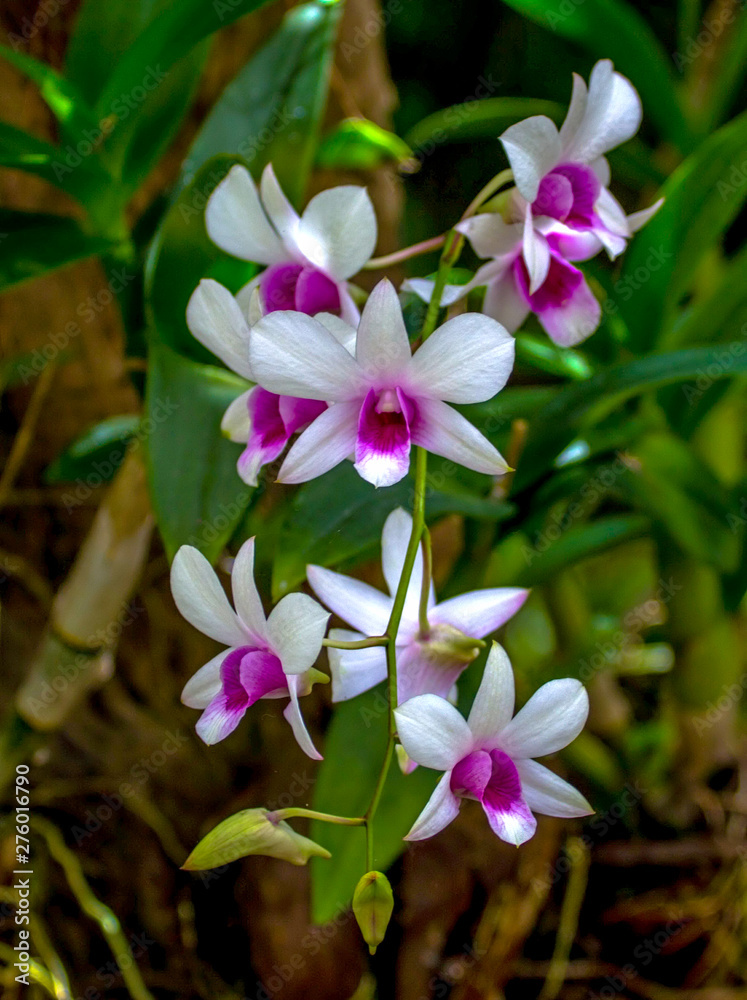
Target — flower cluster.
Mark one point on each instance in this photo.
(349, 386)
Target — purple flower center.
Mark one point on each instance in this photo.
(568, 193)
(249, 674)
(490, 776)
(293, 286)
(382, 450)
(556, 290)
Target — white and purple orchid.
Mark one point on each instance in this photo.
(262, 420)
(384, 399)
(488, 757)
(266, 657)
(309, 257)
(425, 663)
(560, 212)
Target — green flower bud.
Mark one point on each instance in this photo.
(252, 831)
(373, 903)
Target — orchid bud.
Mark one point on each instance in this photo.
(252, 831)
(446, 644)
(373, 903)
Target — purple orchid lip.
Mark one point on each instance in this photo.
(294, 286)
(247, 674)
(274, 420)
(568, 193)
(382, 450)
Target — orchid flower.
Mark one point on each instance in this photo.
(266, 657)
(385, 399)
(310, 257)
(488, 757)
(425, 663)
(262, 420)
(560, 212)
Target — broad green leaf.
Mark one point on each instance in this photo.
(539, 565)
(484, 119)
(98, 452)
(725, 82)
(197, 496)
(358, 144)
(33, 244)
(102, 35)
(703, 196)
(82, 177)
(181, 254)
(667, 481)
(542, 353)
(613, 29)
(271, 111)
(62, 98)
(585, 403)
(340, 516)
(353, 752)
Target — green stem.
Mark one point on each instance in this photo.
(299, 812)
(425, 587)
(371, 640)
(494, 185)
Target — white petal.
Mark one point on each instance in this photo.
(236, 424)
(480, 612)
(245, 597)
(544, 792)
(337, 232)
(361, 606)
(601, 168)
(294, 355)
(236, 222)
(250, 300)
(295, 629)
(536, 253)
(611, 212)
(343, 332)
(504, 302)
(201, 599)
(638, 219)
(447, 433)
(533, 148)
(349, 311)
(575, 113)
(215, 319)
(292, 714)
(613, 114)
(354, 670)
(329, 440)
(490, 236)
(382, 347)
(433, 732)
(205, 684)
(441, 809)
(423, 288)
(494, 702)
(395, 539)
(551, 719)
(283, 215)
(467, 360)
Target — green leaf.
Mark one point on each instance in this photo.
(585, 403)
(358, 144)
(703, 196)
(100, 451)
(271, 111)
(340, 516)
(196, 492)
(612, 29)
(102, 35)
(181, 255)
(33, 244)
(484, 119)
(572, 546)
(62, 98)
(724, 84)
(667, 481)
(353, 752)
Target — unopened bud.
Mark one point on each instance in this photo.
(252, 831)
(373, 903)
